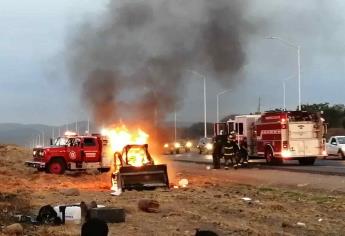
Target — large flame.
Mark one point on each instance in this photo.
(120, 136)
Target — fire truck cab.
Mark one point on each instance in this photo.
(278, 136)
(72, 152)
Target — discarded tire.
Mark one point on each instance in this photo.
(109, 215)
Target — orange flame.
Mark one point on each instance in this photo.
(121, 136)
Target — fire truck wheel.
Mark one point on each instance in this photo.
(56, 166)
(269, 156)
(341, 154)
(307, 161)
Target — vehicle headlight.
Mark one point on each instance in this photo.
(177, 145)
(166, 145)
(189, 144)
(209, 146)
(286, 153)
(34, 153)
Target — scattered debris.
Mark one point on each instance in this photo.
(246, 198)
(205, 232)
(301, 224)
(48, 215)
(116, 190)
(183, 183)
(208, 168)
(70, 192)
(147, 205)
(14, 229)
(285, 224)
(302, 185)
(320, 220)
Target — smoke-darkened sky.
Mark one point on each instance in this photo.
(39, 37)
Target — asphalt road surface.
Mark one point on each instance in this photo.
(330, 166)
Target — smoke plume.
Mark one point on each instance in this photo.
(133, 62)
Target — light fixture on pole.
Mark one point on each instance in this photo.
(298, 48)
(205, 115)
(218, 95)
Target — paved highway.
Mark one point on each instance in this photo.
(330, 166)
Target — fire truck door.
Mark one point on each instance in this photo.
(90, 148)
(73, 150)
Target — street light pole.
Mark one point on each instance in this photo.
(205, 115)
(299, 76)
(175, 127)
(284, 94)
(205, 118)
(298, 48)
(218, 95)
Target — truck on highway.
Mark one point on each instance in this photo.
(72, 152)
(336, 146)
(281, 135)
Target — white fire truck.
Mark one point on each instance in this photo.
(278, 136)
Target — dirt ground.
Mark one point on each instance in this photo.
(212, 200)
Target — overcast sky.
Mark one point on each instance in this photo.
(34, 88)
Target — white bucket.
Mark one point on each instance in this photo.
(72, 213)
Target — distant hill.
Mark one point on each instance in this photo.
(32, 134)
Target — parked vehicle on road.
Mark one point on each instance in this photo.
(177, 147)
(205, 145)
(336, 146)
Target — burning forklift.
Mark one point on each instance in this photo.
(134, 169)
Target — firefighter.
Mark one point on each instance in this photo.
(217, 152)
(230, 151)
(243, 154)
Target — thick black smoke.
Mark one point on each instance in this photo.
(133, 61)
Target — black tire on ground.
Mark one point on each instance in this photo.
(269, 156)
(177, 151)
(271, 159)
(56, 166)
(307, 161)
(341, 154)
(104, 169)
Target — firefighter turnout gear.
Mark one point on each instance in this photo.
(243, 153)
(217, 153)
(230, 152)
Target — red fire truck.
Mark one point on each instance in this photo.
(72, 152)
(278, 136)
